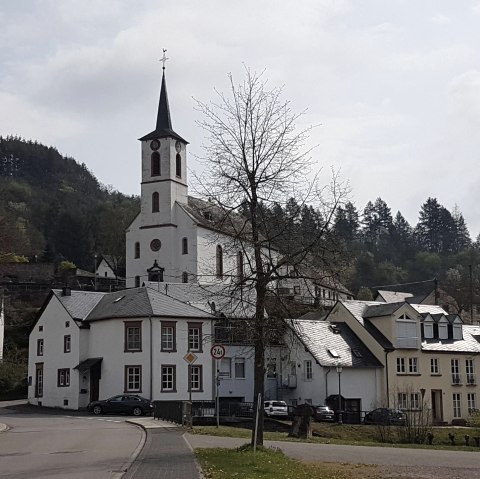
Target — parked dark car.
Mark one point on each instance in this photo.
(122, 404)
(324, 414)
(385, 416)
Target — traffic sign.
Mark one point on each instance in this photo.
(217, 351)
(190, 357)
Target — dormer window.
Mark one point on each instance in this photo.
(457, 329)
(428, 328)
(443, 328)
(155, 164)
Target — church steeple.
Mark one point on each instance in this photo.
(163, 127)
(164, 122)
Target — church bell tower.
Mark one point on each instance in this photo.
(164, 167)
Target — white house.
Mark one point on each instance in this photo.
(89, 345)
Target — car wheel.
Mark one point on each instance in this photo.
(137, 411)
(97, 410)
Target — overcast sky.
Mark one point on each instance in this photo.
(393, 84)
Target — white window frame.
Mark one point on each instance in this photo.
(470, 371)
(471, 402)
(413, 365)
(308, 366)
(455, 370)
(415, 401)
(402, 401)
(457, 405)
(226, 367)
(401, 368)
(240, 371)
(434, 367)
(133, 379)
(168, 378)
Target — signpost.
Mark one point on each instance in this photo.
(190, 358)
(217, 352)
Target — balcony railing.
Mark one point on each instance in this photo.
(471, 379)
(456, 380)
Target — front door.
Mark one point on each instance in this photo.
(437, 406)
(95, 382)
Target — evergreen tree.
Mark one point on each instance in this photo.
(462, 236)
(429, 226)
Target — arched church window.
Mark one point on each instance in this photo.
(155, 202)
(219, 261)
(155, 166)
(137, 250)
(178, 165)
(184, 277)
(184, 245)
(240, 266)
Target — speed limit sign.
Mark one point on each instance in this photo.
(217, 351)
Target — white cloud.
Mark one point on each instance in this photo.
(441, 19)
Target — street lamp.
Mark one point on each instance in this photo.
(95, 271)
(339, 372)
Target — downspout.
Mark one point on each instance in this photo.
(151, 358)
(326, 383)
(386, 378)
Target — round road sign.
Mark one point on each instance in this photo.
(217, 351)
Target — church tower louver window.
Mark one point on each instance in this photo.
(155, 202)
(155, 164)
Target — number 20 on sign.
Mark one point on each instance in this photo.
(217, 351)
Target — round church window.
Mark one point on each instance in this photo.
(155, 244)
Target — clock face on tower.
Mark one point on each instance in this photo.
(154, 144)
(178, 146)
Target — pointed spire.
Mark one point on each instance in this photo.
(163, 118)
(163, 127)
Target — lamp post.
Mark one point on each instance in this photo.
(339, 372)
(95, 271)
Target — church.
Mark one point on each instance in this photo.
(176, 238)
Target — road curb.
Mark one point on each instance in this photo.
(126, 466)
(197, 464)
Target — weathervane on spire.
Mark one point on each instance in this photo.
(164, 58)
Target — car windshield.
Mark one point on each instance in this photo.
(279, 404)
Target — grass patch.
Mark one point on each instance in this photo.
(349, 434)
(273, 464)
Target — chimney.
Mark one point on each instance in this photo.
(66, 291)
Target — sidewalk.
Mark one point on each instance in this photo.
(166, 454)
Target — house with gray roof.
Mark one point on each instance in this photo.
(430, 357)
(320, 361)
(89, 345)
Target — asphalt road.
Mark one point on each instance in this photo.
(65, 446)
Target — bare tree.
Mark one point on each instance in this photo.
(255, 158)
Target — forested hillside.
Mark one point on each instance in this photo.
(53, 208)
(380, 248)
